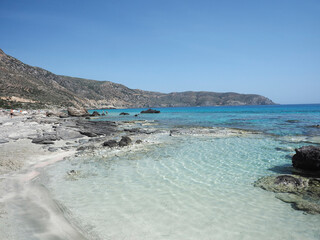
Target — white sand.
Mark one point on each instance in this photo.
(26, 208)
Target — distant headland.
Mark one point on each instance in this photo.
(25, 86)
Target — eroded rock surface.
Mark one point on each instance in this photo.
(77, 112)
(125, 141)
(302, 192)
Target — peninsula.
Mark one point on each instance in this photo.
(25, 86)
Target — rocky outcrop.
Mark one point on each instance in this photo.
(95, 114)
(125, 141)
(150, 111)
(301, 191)
(110, 143)
(77, 112)
(307, 158)
(97, 128)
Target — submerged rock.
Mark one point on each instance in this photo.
(138, 141)
(302, 192)
(282, 183)
(298, 203)
(124, 113)
(307, 158)
(292, 121)
(150, 111)
(125, 141)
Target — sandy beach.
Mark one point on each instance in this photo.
(33, 140)
(28, 143)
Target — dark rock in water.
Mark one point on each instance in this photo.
(77, 112)
(282, 183)
(299, 203)
(88, 134)
(150, 111)
(136, 115)
(110, 143)
(139, 141)
(103, 114)
(124, 113)
(292, 121)
(316, 126)
(95, 114)
(307, 158)
(302, 192)
(125, 141)
(87, 118)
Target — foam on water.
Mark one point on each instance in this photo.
(192, 188)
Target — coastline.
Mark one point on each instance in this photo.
(27, 203)
(33, 141)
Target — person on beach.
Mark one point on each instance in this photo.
(11, 113)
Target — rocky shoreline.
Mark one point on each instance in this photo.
(34, 139)
(31, 140)
(301, 188)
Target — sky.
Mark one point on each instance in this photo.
(267, 47)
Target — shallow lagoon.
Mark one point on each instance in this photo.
(189, 187)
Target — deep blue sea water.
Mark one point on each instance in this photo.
(193, 187)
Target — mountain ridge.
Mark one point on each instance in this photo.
(36, 87)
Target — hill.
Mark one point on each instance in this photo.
(22, 85)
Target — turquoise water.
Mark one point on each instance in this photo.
(271, 119)
(191, 187)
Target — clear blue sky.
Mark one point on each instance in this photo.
(268, 47)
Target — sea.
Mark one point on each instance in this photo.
(192, 186)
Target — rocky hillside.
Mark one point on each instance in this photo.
(22, 85)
